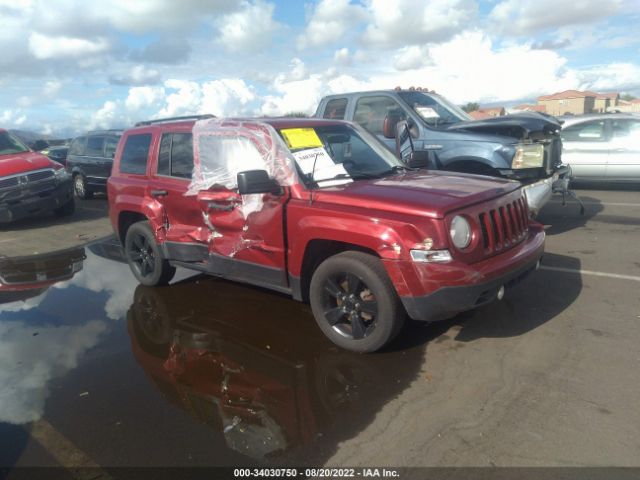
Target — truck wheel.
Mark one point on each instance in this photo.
(144, 256)
(67, 209)
(80, 188)
(354, 302)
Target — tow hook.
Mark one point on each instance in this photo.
(561, 186)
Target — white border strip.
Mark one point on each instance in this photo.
(591, 272)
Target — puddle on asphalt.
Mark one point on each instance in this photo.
(202, 372)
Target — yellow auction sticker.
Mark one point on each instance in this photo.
(297, 138)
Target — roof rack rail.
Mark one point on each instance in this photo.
(173, 119)
(111, 130)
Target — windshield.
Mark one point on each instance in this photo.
(335, 154)
(10, 144)
(434, 109)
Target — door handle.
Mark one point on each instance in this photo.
(221, 207)
(159, 193)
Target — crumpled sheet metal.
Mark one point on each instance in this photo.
(222, 148)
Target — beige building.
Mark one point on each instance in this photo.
(578, 102)
(626, 106)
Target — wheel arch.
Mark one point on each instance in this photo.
(316, 252)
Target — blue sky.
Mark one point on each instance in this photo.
(70, 65)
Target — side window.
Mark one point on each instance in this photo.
(95, 146)
(110, 145)
(336, 108)
(584, 132)
(182, 155)
(135, 153)
(176, 155)
(624, 128)
(164, 157)
(77, 146)
(371, 111)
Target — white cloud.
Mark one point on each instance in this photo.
(28, 363)
(397, 23)
(225, 97)
(109, 116)
(342, 57)
(249, 29)
(411, 57)
(610, 77)
(12, 118)
(51, 88)
(523, 17)
(46, 47)
(143, 97)
(137, 75)
(330, 21)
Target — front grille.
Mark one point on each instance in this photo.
(37, 271)
(26, 178)
(8, 182)
(40, 175)
(505, 226)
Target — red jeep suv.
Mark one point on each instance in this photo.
(322, 211)
(31, 183)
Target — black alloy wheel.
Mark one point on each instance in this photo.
(144, 256)
(355, 303)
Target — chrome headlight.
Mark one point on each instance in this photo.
(460, 232)
(528, 156)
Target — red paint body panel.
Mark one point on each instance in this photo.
(389, 216)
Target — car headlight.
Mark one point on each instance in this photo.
(528, 156)
(460, 232)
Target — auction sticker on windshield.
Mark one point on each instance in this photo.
(427, 112)
(298, 138)
(317, 162)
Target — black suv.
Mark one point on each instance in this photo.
(90, 159)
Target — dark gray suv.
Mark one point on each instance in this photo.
(90, 159)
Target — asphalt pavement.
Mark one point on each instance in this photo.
(101, 372)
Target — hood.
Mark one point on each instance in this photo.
(23, 162)
(517, 125)
(424, 193)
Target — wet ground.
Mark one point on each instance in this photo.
(96, 370)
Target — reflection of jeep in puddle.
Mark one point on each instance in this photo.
(252, 366)
(25, 277)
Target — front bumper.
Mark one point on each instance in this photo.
(43, 197)
(539, 193)
(454, 287)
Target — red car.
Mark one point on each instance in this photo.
(322, 211)
(30, 182)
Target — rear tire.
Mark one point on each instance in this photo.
(355, 303)
(67, 209)
(144, 256)
(80, 187)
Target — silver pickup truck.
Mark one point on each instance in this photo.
(426, 130)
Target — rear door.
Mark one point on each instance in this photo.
(92, 160)
(624, 149)
(186, 232)
(585, 148)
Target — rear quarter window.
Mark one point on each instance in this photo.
(135, 154)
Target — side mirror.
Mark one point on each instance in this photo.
(419, 159)
(390, 122)
(257, 181)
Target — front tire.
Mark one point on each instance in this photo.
(355, 303)
(80, 187)
(144, 256)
